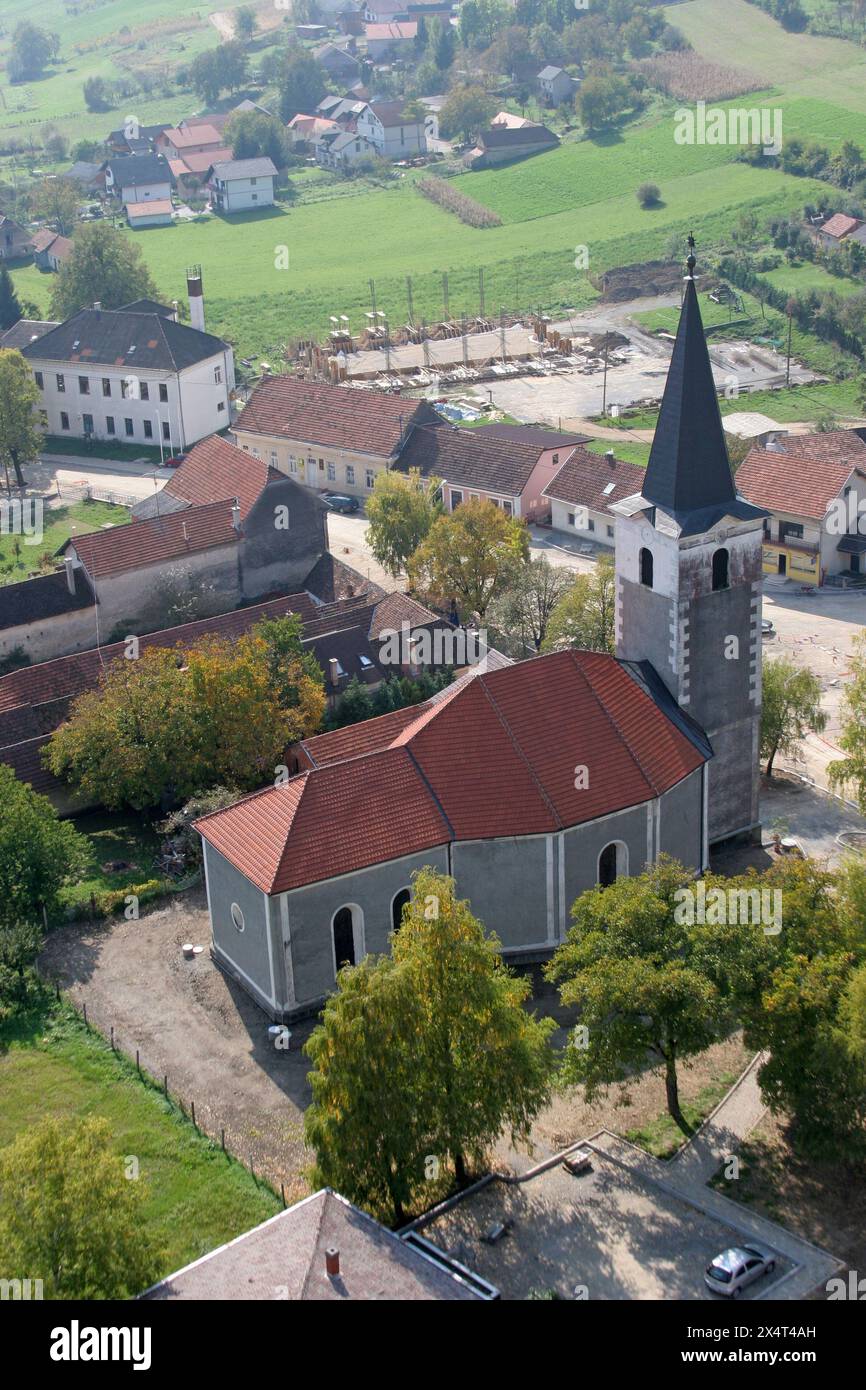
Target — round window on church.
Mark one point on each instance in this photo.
(237, 917)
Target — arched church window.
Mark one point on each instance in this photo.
(720, 570)
(344, 938)
(400, 901)
(612, 863)
(646, 567)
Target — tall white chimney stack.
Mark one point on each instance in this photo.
(196, 297)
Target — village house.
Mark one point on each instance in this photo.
(395, 135)
(555, 86)
(840, 228)
(134, 138)
(390, 40)
(14, 240)
(324, 1248)
(140, 178)
(308, 130)
(340, 64)
(190, 171)
(46, 616)
(502, 143)
(334, 438)
(341, 149)
(50, 249)
(814, 489)
(135, 376)
(509, 466)
(240, 184)
(226, 525)
(189, 138)
(584, 490)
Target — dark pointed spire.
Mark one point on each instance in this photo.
(688, 470)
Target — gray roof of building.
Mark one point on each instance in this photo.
(288, 1252)
(46, 596)
(689, 474)
(25, 331)
(121, 338)
(135, 169)
(245, 169)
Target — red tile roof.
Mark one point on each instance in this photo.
(472, 458)
(840, 225)
(842, 445)
(495, 756)
(374, 809)
(145, 543)
(342, 417)
(195, 135)
(792, 483)
(68, 676)
(583, 478)
(216, 471)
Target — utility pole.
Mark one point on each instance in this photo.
(604, 389)
(481, 291)
(445, 295)
(373, 298)
(790, 330)
(409, 297)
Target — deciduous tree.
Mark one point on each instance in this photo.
(400, 512)
(21, 434)
(647, 982)
(105, 267)
(791, 706)
(470, 556)
(584, 616)
(39, 853)
(69, 1214)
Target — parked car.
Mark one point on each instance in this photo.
(174, 462)
(340, 503)
(767, 628)
(733, 1270)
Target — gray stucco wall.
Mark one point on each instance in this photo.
(648, 620)
(506, 883)
(679, 830)
(311, 910)
(275, 558)
(244, 954)
(521, 889)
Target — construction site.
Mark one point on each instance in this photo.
(591, 363)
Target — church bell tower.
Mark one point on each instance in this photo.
(688, 578)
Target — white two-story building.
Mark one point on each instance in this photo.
(134, 375)
(394, 134)
(240, 184)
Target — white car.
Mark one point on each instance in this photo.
(734, 1269)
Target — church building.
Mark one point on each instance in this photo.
(532, 782)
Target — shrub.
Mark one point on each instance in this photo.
(467, 209)
(649, 195)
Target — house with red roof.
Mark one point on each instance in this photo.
(333, 438)
(528, 783)
(814, 489)
(584, 490)
(226, 526)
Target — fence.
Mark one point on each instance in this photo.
(70, 492)
(151, 1079)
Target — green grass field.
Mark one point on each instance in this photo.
(529, 262)
(630, 450)
(18, 559)
(196, 1196)
(117, 837)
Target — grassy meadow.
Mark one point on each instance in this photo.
(196, 1196)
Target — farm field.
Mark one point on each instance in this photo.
(196, 1196)
(527, 262)
(824, 70)
(800, 278)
